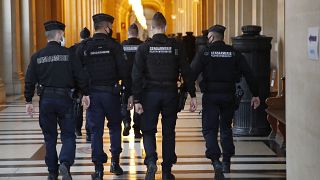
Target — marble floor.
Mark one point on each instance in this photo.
(22, 151)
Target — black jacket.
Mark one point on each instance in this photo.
(220, 65)
(54, 66)
(105, 61)
(157, 66)
(130, 47)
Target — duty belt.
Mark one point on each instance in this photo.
(102, 88)
(111, 89)
(165, 83)
(220, 87)
(52, 91)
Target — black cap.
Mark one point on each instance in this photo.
(217, 28)
(54, 25)
(102, 17)
(85, 33)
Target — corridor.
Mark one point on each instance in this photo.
(22, 151)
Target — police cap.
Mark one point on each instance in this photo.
(217, 28)
(54, 25)
(102, 17)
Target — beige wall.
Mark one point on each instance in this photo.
(188, 16)
(303, 92)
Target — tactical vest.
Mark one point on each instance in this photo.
(100, 63)
(162, 62)
(221, 70)
(221, 65)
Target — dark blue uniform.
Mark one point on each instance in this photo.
(79, 114)
(104, 60)
(221, 67)
(155, 74)
(55, 69)
(130, 47)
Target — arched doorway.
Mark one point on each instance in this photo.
(143, 33)
(126, 16)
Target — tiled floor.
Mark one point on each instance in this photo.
(22, 152)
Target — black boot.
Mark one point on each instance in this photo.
(116, 169)
(115, 166)
(166, 174)
(53, 176)
(137, 134)
(218, 170)
(126, 129)
(98, 174)
(88, 137)
(151, 171)
(78, 132)
(64, 169)
(226, 167)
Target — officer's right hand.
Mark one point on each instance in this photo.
(255, 102)
(85, 102)
(193, 104)
(29, 110)
(130, 103)
(138, 108)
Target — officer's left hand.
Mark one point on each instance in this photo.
(193, 104)
(138, 108)
(130, 103)
(85, 102)
(29, 110)
(255, 102)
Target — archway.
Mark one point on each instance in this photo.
(125, 16)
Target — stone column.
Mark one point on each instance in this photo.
(197, 18)
(2, 87)
(280, 46)
(17, 61)
(26, 37)
(269, 28)
(168, 13)
(219, 10)
(257, 9)
(229, 20)
(246, 12)
(7, 44)
(2, 92)
(243, 14)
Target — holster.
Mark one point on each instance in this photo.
(123, 100)
(40, 89)
(238, 96)
(182, 97)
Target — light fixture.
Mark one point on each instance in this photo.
(138, 11)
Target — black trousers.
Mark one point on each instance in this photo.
(126, 118)
(104, 105)
(218, 111)
(79, 121)
(153, 104)
(53, 112)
